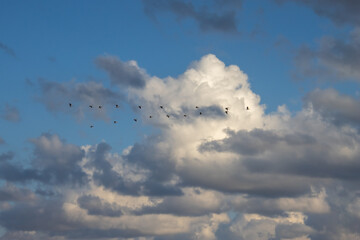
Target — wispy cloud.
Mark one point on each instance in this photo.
(7, 49)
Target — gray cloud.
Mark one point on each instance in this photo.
(337, 108)
(7, 49)
(2, 141)
(56, 97)
(10, 113)
(218, 16)
(12, 193)
(334, 60)
(95, 206)
(341, 12)
(121, 73)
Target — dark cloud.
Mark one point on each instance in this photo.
(121, 73)
(334, 59)
(56, 97)
(106, 176)
(290, 231)
(10, 113)
(341, 12)
(54, 162)
(335, 107)
(7, 49)
(254, 142)
(10, 192)
(218, 16)
(95, 206)
(6, 156)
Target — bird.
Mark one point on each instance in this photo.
(167, 116)
(91, 126)
(139, 107)
(115, 121)
(117, 106)
(247, 108)
(227, 109)
(135, 119)
(161, 107)
(185, 115)
(150, 116)
(100, 106)
(90, 106)
(70, 104)
(196, 107)
(200, 113)
(226, 112)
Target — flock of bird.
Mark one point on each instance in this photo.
(226, 111)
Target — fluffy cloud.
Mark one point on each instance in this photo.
(243, 174)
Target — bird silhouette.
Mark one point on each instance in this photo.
(161, 107)
(247, 108)
(150, 116)
(139, 107)
(196, 107)
(226, 112)
(70, 104)
(100, 106)
(200, 113)
(227, 109)
(115, 121)
(135, 119)
(167, 116)
(90, 106)
(185, 115)
(91, 126)
(117, 106)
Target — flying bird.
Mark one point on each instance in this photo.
(90, 106)
(100, 106)
(247, 108)
(227, 109)
(226, 112)
(135, 119)
(91, 126)
(139, 107)
(150, 116)
(161, 107)
(115, 121)
(117, 106)
(200, 113)
(196, 107)
(167, 116)
(185, 115)
(70, 104)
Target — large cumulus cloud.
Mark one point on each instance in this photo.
(243, 174)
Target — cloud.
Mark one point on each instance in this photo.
(337, 108)
(334, 59)
(2, 141)
(121, 73)
(10, 113)
(246, 174)
(341, 12)
(218, 16)
(57, 96)
(7, 49)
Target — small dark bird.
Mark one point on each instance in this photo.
(200, 113)
(150, 116)
(91, 126)
(227, 109)
(185, 115)
(196, 107)
(139, 107)
(115, 121)
(161, 107)
(70, 104)
(247, 108)
(100, 106)
(135, 119)
(226, 112)
(90, 106)
(117, 106)
(167, 116)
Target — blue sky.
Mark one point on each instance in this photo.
(301, 59)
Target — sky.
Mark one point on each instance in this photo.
(249, 126)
